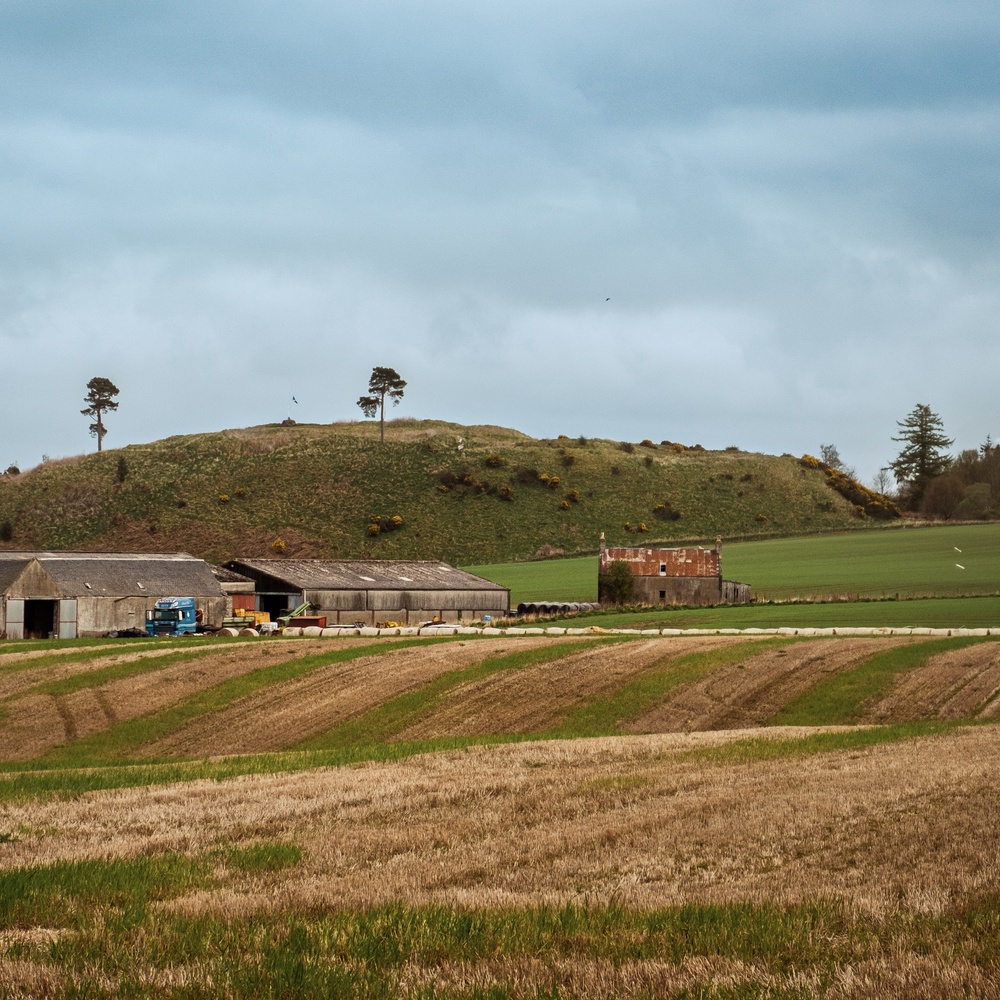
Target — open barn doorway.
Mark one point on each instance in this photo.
(277, 604)
(39, 619)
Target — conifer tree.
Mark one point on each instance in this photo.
(384, 382)
(100, 399)
(923, 456)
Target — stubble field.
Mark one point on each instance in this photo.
(571, 817)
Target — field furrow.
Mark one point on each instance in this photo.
(26, 731)
(749, 693)
(22, 675)
(959, 684)
(536, 698)
(284, 715)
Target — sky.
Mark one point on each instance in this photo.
(769, 225)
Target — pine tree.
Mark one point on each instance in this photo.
(384, 382)
(923, 456)
(100, 398)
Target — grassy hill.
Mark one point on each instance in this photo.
(463, 494)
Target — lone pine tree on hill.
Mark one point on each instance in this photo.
(923, 456)
(100, 399)
(384, 382)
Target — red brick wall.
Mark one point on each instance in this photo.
(678, 562)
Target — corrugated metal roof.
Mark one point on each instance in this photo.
(224, 575)
(10, 568)
(361, 574)
(126, 574)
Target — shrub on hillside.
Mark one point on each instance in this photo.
(494, 461)
(526, 477)
(646, 443)
(872, 504)
(381, 524)
(666, 512)
(627, 447)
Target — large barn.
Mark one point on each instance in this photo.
(70, 594)
(682, 576)
(372, 590)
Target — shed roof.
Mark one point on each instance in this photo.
(364, 574)
(117, 574)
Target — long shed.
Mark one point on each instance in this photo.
(70, 594)
(373, 590)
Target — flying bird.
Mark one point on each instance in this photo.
(295, 401)
(959, 565)
(608, 299)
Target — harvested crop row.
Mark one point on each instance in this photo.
(284, 715)
(28, 676)
(535, 699)
(36, 723)
(960, 684)
(748, 693)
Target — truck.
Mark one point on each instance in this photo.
(173, 616)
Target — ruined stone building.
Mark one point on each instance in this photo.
(685, 576)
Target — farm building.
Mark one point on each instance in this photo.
(688, 576)
(70, 594)
(372, 590)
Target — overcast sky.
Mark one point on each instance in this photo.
(771, 225)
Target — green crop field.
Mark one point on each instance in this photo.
(945, 612)
(948, 561)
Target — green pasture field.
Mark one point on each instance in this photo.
(946, 612)
(951, 561)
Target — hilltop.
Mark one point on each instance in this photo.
(434, 490)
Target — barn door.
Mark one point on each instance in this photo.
(15, 619)
(67, 619)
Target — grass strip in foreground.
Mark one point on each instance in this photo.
(125, 738)
(395, 715)
(125, 945)
(839, 699)
(603, 716)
